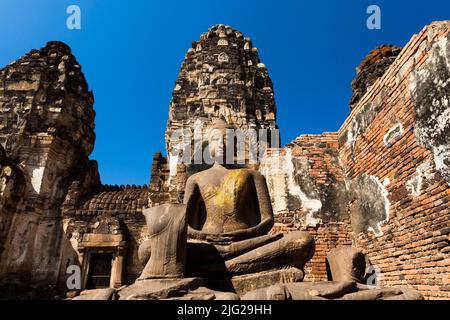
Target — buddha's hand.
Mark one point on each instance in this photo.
(219, 238)
(228, 237)
(210, 237)
(240, 235)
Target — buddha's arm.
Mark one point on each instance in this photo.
(265, 205)
(265, 208)
(191, 200)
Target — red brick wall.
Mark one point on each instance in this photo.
(321, 151)
(380, 140)
(324, 165)
(413, 249)
(326, 236)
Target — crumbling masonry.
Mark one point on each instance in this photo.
(381, 183)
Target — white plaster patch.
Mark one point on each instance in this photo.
(271, 167)
(351, 135)
(404, 69)
(310, 221)
(393, 134)
(415, 76)
(377, 234)
(364, 118)
(415, 183)
(387, 205)
(444, 118)
(372, 205)
(421, 50)
(386, 181)
(37, 174)
(173, 163)
(442, 44)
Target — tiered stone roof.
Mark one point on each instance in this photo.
(115, 200)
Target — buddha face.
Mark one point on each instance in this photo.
(217, 144)
(218, 136)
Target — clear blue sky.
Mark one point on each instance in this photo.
(131, 52)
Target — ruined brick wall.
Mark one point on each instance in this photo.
(395, 150)
(306, 176)
(327, 236)
(391, 170)
(307, 188)
(373, 67)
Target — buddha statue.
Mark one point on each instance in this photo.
(229, 216)
(222, 229)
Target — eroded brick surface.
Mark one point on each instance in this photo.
(391, 171)
(404, 147)
(381, 182)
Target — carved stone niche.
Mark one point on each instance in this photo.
(223, 58)
(102, 258)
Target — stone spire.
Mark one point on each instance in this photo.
(221, 77)
(46, 92)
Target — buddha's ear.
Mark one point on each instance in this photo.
(207, 157)
(205, 144)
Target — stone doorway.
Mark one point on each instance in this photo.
(102, 260)
(100, 266)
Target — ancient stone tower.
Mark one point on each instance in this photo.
(221, 77)
(46, 135)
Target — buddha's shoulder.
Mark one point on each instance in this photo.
(205, 174)
(200, 175)
(245, 171)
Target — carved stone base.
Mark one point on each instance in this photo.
(243, 284)
(330, 290)
(184, 289)
(97, 294)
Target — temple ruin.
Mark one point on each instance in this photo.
(380, 184)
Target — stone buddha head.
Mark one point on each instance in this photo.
(221, 149)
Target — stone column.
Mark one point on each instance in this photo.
(117, 270)
(84, 263)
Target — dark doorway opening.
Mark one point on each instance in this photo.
(99, 270)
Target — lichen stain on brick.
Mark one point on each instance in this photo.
(430, 92)
(369, 205)
(362, 120)
(302, 186)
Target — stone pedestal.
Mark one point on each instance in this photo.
(174, 289)
(245, 283)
